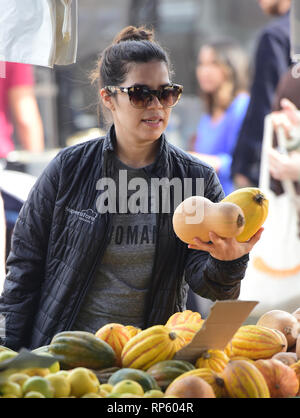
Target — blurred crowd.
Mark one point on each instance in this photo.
(230, 131)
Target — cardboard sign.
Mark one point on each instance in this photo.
(224, 320)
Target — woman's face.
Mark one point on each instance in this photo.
(270, 7)
(147, 124)
(210, 74)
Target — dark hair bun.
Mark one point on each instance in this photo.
(132, 33)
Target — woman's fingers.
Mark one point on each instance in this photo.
(200, 245)
(287, 117)
(226, 248)
(254, 239)
(287, 104)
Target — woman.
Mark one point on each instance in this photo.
(222, 74)
(78, 262)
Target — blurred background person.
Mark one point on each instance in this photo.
(19, 110)
(272, 60)
(21, 122)
(2, 242)
(286, 114)
(223, 75)
(282, 166)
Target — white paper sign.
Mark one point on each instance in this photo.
(295, 30)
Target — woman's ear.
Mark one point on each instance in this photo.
(107, 99)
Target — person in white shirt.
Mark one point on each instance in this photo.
(282, 166)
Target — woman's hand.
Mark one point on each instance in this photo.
(287, 118)
(212, 160)
(226, 249)
(284, 167)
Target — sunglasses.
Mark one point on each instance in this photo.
(141, 96)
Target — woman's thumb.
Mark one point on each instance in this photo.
(286, 104)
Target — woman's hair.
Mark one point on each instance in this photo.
(132, 45)
(235, 63)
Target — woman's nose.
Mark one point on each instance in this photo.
(154, 102)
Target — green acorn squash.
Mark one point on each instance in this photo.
(81, 349)
(143, 378)
(166, 371)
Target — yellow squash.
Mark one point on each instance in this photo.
(256, 342)
(188, 330)
(148, 347)
(254, 205)
(215, 360)
(243, 380)
(184, 317)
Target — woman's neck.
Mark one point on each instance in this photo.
(217, 114)
(137, 156)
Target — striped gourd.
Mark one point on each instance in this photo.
(184, 317)
(212, 378)
(215, 360)
(256, 342)
(148, 347)
(228, 350)
(243, 380)
(296, 368)
(132, 330)
(187, 331)
(242, 358)
(116, 335)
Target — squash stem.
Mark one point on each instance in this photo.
(172, 335)
(240, 221)
(259, 198)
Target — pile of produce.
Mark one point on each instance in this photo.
(262, 360)
(119, 361)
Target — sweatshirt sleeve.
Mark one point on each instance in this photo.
(27, 258)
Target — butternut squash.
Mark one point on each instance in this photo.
(254, 205)
(282, 321)
(196, 216)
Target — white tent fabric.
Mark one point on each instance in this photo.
(39, 32)
(295, 30)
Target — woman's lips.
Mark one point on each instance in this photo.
(153, 122)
